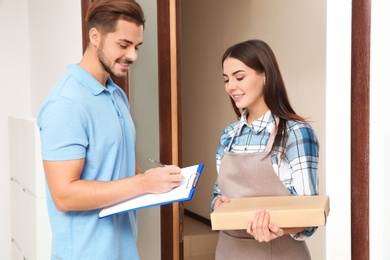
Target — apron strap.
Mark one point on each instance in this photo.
(272, 136)
(271, 139)
(234, 135)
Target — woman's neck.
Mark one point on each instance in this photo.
(253, 115)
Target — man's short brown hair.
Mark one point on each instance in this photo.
(105, 14)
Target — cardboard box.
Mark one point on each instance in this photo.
(285, 211)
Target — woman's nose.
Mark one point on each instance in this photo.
(230, 85)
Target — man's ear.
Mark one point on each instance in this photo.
(94, 37)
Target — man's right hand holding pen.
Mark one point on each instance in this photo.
(161, 179)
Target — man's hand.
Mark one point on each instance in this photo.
(162, 179)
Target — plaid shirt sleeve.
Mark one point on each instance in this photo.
(301, 155)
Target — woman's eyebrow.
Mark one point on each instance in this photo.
(234, 73)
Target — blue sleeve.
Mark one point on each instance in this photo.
(63, 130)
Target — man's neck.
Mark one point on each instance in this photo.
(92, 65)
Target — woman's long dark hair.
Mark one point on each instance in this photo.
(258, 56)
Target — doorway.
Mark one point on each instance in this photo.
(360, 7)
(203, 41)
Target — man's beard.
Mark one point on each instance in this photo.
(106, 65)
(107, 68)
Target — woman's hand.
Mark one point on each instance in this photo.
(261, 229)
(220, 200)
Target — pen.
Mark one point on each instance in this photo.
(157, 163)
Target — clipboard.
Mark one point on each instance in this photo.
(183, 192)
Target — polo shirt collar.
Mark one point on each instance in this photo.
(88, 81)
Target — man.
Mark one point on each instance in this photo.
(88, 137)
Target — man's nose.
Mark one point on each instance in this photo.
(132, 54)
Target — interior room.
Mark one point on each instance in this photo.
(312, 42)
(296, 31)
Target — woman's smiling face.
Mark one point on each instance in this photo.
(244, 85)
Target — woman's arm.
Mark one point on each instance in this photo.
(302, 155)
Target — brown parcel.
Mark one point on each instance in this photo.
(285, 211)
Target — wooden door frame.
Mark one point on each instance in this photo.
(360, 129)
(169, 72)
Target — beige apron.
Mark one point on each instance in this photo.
(252, 175)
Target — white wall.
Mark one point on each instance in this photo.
(13, 50)
(35, 49)
(338, 134)
(39, 39)
(144, 109)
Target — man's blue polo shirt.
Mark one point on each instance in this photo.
(82, 119)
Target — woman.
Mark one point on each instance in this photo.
(270, 151)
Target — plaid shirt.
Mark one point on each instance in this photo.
(296, 164)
